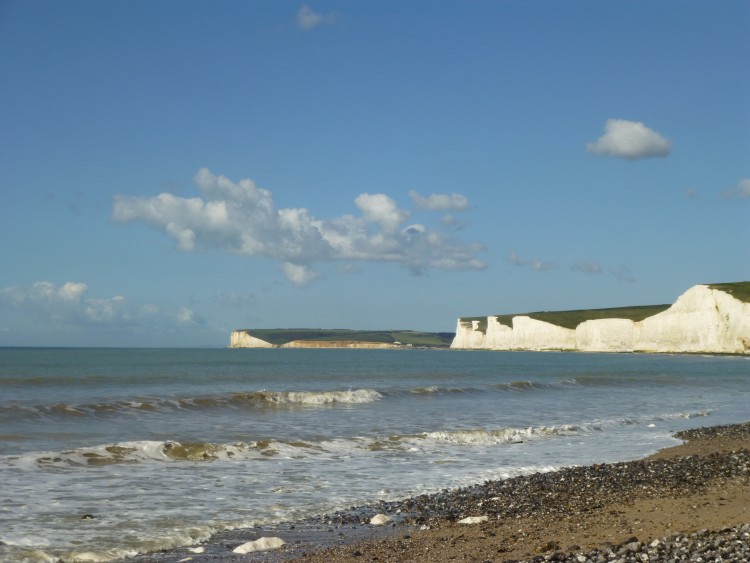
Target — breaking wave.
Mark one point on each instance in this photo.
(500, 436)
(358, 396)
(150, 451)
(146, 405)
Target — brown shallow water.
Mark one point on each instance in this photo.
(701, 485)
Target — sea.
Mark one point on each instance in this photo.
(110, 453)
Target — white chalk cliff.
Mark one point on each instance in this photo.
(243, 339)
(702, 320)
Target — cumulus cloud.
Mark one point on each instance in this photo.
(307, 18)
(631, 140)
(241, 218)
(440, 202)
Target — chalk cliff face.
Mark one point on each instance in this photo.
(243, 339)
(701, 320)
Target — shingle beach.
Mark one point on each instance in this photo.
(686, 503)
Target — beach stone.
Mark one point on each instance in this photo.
(380, 520)
(262, 544)
(473, 520)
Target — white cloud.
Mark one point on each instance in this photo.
(308, 19)
(240, 218)
(541, 266)
(299, 275)
(186, 316)
(631, 140)
(381, 209)
(740, 191)
(69, 306)
(67, 303)
(440, 202)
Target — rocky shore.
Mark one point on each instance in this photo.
(687, 503)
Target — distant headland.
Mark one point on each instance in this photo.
(710, 318)
(338, 338)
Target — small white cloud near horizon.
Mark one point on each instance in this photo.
(307, 18)
(64, 303)
(69, 306)
(240, 218)
(740, 191)
(630, 140)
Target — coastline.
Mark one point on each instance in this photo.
(693, 494)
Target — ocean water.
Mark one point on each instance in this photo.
(166, 447)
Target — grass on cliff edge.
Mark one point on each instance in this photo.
(280, 336)
(571, 319)
(738, 290)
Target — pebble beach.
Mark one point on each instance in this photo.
(686, 503)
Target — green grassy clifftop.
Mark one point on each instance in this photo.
(571, 319)
(738, 290)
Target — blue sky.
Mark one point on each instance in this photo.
(172, 170)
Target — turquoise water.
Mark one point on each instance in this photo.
(166, 447)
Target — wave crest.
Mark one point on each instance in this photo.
(500, 436)
(358, 396)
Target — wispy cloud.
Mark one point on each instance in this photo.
(235, 300)
(308, 19)
(241, 218)
(692, 193)
(533, 264)
(440, 202)
(623, 274)
(588, 267)
(631, 140)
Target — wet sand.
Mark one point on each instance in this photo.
(692, 497)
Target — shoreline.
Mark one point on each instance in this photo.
(700, 487)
